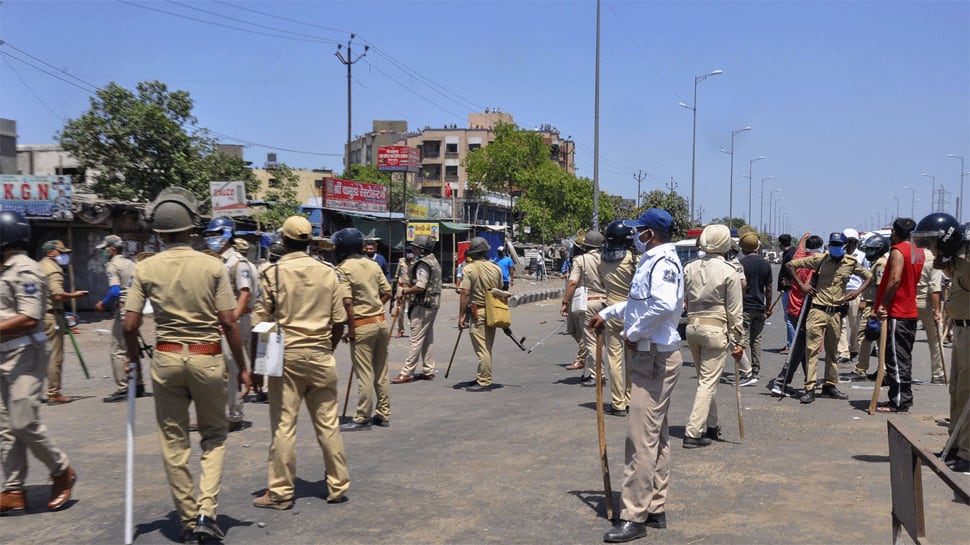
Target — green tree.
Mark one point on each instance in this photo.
(140, 142)
(733, 223)
(555, 204)
(506, 162)
(281, 198)
(672, 202)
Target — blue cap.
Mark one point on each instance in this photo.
(654, 218)
(838, 238)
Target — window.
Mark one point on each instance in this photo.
(451, 147)
(451, 171)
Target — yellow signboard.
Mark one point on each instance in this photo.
(422, 228)
(417, 211)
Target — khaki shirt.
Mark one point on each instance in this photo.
(712, 289)
(958, 301)
(240, 272)
(585, 273)
(366, 283)
(480, 276)
(306, 303)
(403, 272)
(616, 277)
(930, 282)
(833, 276)
(187, 290)
(55, 282)
(121, 273)
(23, 290)
(878, 268)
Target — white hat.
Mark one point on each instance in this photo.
(851, 233)
(501, 248)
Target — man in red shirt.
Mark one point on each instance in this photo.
(896, 302)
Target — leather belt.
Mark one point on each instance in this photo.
(706, 321)
(832, 310)
(208, 349)
(369, 320)
(961, 323)
(23, 340)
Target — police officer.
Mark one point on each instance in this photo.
(950, 243)
(403, 282)
(876, 248)
(575, 313)
(829, 305)
(585, 274)
(426, 293)
(616, 268)
(930, 307)
(120, 272)
(368, 291)
(57, 256)
(242, 275)
(192, 296)
(23, 361)
(303, 295)
(481, 276)
(712, 288)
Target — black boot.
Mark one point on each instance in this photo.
(625, 530)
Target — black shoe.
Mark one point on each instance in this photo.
(206, 527)
(341, 499)
(609, 409)
(937, 380)
(235, 426)
(959, 465)
(478, 388)
(116, 397)
(657, 520)
(830, 391)
(696, 442)
(714, 434)
(843, 359)
(808, 397)
(139, 390)
(853, 356)
(379, 420)
(261, 397)
(625, 530)
(950, 454)
(355, 426)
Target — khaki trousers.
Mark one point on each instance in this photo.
(865, 345)
(822, 325)
(119, 352)
(647, 470)
(402, 309)
(960, 386)
(616, 356)
(483, 337)
(370, 366)
(708, 348)
(933, 340)
(421, 340)
(54, 326)
(21, 380)
(589, 336)
(576, 326)
(849, 339)
(311, 376)
(754, 325)
(234, 401)
(177, 380)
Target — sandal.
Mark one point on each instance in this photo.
(575, 365)
(888, 408)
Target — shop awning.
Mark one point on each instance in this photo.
(448, 227)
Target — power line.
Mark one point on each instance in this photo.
(280, 17)
(250, 143)
(29, 88)
(436, 87)
(45, 63)
(308, 36)
(51, 74)
(640, 51)
(417, 94)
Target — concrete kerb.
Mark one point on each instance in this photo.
(535, 296)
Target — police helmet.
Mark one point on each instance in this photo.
(346, 242)
(618, 238)
(593, 240)
(276, 251)
(875, 246)
(478, 247)
(939, 232)
(14, 230)
(220, 225)
(175, 209)
(423, 242)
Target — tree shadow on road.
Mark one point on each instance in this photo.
(596, 500)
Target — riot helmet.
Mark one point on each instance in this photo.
(618, 239)
(14, 230)
(477, 248)
(424, 243)
(593, 240)
(875, 247)
(346, 242)
(219, 232)
(940, 233)
(174, 210)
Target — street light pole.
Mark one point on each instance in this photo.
(761, 210)
(731, 185)
(963, 173)
(933, 194)
(912, 206)
(897, 204)
(349, 61)
(772, 209)
(750, 181)
(693, 139)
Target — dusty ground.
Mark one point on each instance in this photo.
(517, 465)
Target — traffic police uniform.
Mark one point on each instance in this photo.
(54, 323)
(616, 277)
(481, 276)
(241, 276)
(403, 281)
(423, 310)
(121, 273)
(304, 296)
(367, 285)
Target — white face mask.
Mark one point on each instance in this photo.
(701, 253)
(641, 246)
(215, 243)
(63, 259)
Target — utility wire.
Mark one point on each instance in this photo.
(299, 34)
(641, 52)
(281, 18)
(417, 94)
(29, 88)
(45, 63)
(40, 69)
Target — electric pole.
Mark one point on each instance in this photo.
(349, 61)
(672, 185)
(639, 178)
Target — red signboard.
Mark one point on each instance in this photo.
(398, 159)
(355, 196)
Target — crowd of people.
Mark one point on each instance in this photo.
(627, 284)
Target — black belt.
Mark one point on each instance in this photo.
(832, 310)
(961, 323)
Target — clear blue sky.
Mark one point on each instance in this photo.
(849, 102)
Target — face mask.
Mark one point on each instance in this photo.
(63, 259)
(701, 253)
(410, 255)
(836, 252)
(216, 243)
(106, 254)
(641, 246)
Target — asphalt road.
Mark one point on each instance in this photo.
(516, 465)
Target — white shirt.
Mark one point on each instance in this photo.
(855, 281)
(656, 300)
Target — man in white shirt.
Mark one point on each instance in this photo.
(849, 340)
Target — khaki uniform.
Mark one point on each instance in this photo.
(426, 273)
(54, 324)
(242, 275)
(616, 277)
(367, 284)
(824, 320)
(121, 273)
(958, 307)
(713, 292)
(23, 360)
(586, 274)
(306, 302)
(930, 282)
(869, 296)
(187, 289)
(403, 281)
(481, 276)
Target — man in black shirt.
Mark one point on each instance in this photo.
(784, 284)
(756, 300)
